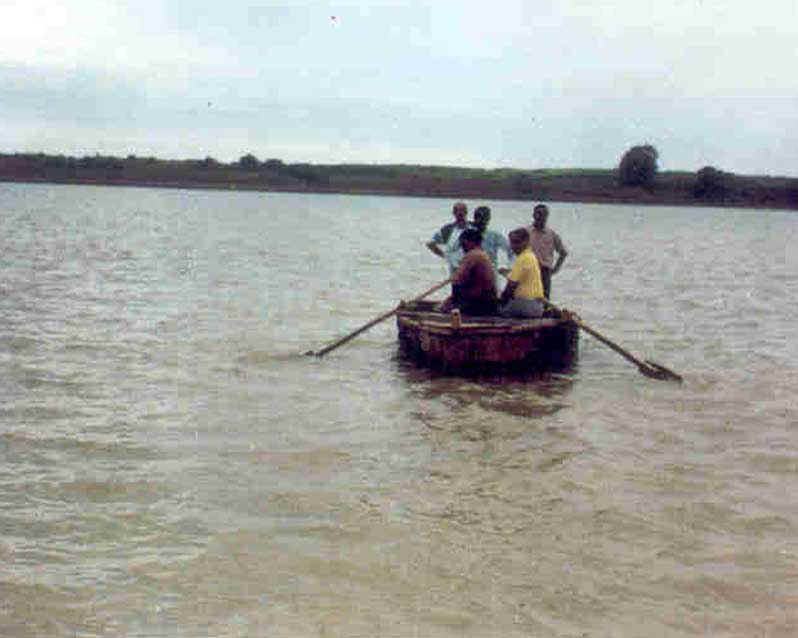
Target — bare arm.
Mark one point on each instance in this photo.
(560, 258)
(508, 292)
(435, 248)
(561, 253)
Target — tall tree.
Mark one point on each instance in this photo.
(638, 166)
(249, 162)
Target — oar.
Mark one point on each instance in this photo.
(374, 322)
(647, 367)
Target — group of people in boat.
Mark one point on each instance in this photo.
(472, 251)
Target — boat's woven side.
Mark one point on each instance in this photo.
(443, 341)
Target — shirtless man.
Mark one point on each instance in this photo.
(473, 283)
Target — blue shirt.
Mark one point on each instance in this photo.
(452, 250)
(492, 242)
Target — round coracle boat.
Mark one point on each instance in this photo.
(453, 342)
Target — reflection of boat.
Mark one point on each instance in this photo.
(455, 342)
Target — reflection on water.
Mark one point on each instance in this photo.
(530, 394)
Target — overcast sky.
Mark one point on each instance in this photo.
(525, 84)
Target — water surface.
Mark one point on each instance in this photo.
(172, 465)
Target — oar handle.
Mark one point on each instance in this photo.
(374, 322)
(354, 334)
(624, 353)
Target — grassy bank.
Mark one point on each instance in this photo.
(705, 187)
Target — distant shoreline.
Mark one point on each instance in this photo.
(554, 197)
(598, 186)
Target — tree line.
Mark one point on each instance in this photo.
(638, 168)
(636, 179)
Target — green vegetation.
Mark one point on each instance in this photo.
(636, 179)
(638, 166)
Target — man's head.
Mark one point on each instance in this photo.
(470, 238)
(460, 212)
(540, 214)
(482, 217)
(519, 239)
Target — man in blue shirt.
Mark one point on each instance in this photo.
(446, 242)
(492, 241)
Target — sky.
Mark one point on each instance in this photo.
(526, 84)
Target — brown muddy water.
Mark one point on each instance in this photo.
(172, 465)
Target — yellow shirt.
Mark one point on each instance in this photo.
(526, 272)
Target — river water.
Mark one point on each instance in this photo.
(172, 465)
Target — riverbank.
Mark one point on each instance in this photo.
(707, 187)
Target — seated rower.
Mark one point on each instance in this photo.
(473, 283)
(523, 295)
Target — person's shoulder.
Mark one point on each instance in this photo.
(474, 255)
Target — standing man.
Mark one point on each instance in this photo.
(492, 241)
(544, 242)
(446, 242)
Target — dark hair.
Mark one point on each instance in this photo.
(521, 234)
(481, 211)
(542, 207)
(471, 234)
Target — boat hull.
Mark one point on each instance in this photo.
(467, 343)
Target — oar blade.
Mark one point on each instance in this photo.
(656, 371)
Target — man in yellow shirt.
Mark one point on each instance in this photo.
(523, 295)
